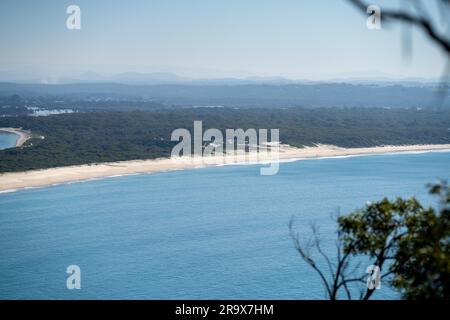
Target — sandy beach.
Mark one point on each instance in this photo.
(39, 178)
(23, 135)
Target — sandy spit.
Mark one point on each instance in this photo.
(23, 135)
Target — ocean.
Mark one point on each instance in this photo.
(211, 233)
(7, 139)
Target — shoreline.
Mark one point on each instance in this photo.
(14, 181)
(23, 135)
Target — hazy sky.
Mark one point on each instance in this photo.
(307, 39)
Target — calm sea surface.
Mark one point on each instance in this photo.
(213, 233)
(7, 139)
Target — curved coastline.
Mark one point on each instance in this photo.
(14, 181)
(23, 135)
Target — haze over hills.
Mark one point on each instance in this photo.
(245, 95)
(172, 90)
(30, 75)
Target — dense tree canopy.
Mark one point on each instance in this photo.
(112, 136)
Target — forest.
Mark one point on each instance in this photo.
(93, 137)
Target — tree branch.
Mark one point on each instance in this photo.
(304, 254)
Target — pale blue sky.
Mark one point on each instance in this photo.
(304, 39)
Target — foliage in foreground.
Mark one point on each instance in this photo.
(408, 242)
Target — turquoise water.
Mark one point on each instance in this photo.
(7, 139)
(213, 233)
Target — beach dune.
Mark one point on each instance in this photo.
(39, 178)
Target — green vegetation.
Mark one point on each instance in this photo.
(81, 138)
